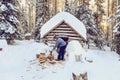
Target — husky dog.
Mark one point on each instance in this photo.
(82, 76)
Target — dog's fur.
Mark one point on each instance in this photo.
(82, 76)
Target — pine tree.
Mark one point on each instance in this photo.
(8, 21)
(99, 13)
(99, 41)
(67, 7)
(117, 32)
(22, 18)
(84, 14)
(100, 10)
(42, 11)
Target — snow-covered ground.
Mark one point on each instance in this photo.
(18, 62)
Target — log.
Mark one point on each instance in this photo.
(63, 31)
(50, 57)
(65, 34)
(42, 58)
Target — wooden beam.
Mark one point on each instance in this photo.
(58, 31)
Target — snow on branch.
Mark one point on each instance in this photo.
(3, 8)
(13, 19)
(12, 7)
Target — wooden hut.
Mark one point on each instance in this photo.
(66, 25)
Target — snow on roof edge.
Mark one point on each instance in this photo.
(77, 25)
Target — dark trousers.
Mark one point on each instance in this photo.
(61, 53)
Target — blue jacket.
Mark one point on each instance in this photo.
(59, 43)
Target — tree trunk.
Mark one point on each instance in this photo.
(10, 41)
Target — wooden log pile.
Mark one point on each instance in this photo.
(50, 57)
(42, 58)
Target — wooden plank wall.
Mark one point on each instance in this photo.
(63, 30)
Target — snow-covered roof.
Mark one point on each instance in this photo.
(67, 18)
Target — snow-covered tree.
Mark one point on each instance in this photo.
(42, 12)
(100, 9)
(98, 14)
(117, 32)
(23, 21)
(67, 7)
(84, 14)
(8, 21)
(42, 15)
(99, 41)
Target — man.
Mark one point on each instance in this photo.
(61, 46)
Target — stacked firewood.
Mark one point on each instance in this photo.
(51, 59)
(42, 58)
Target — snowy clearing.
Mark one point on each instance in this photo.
(18, 62)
